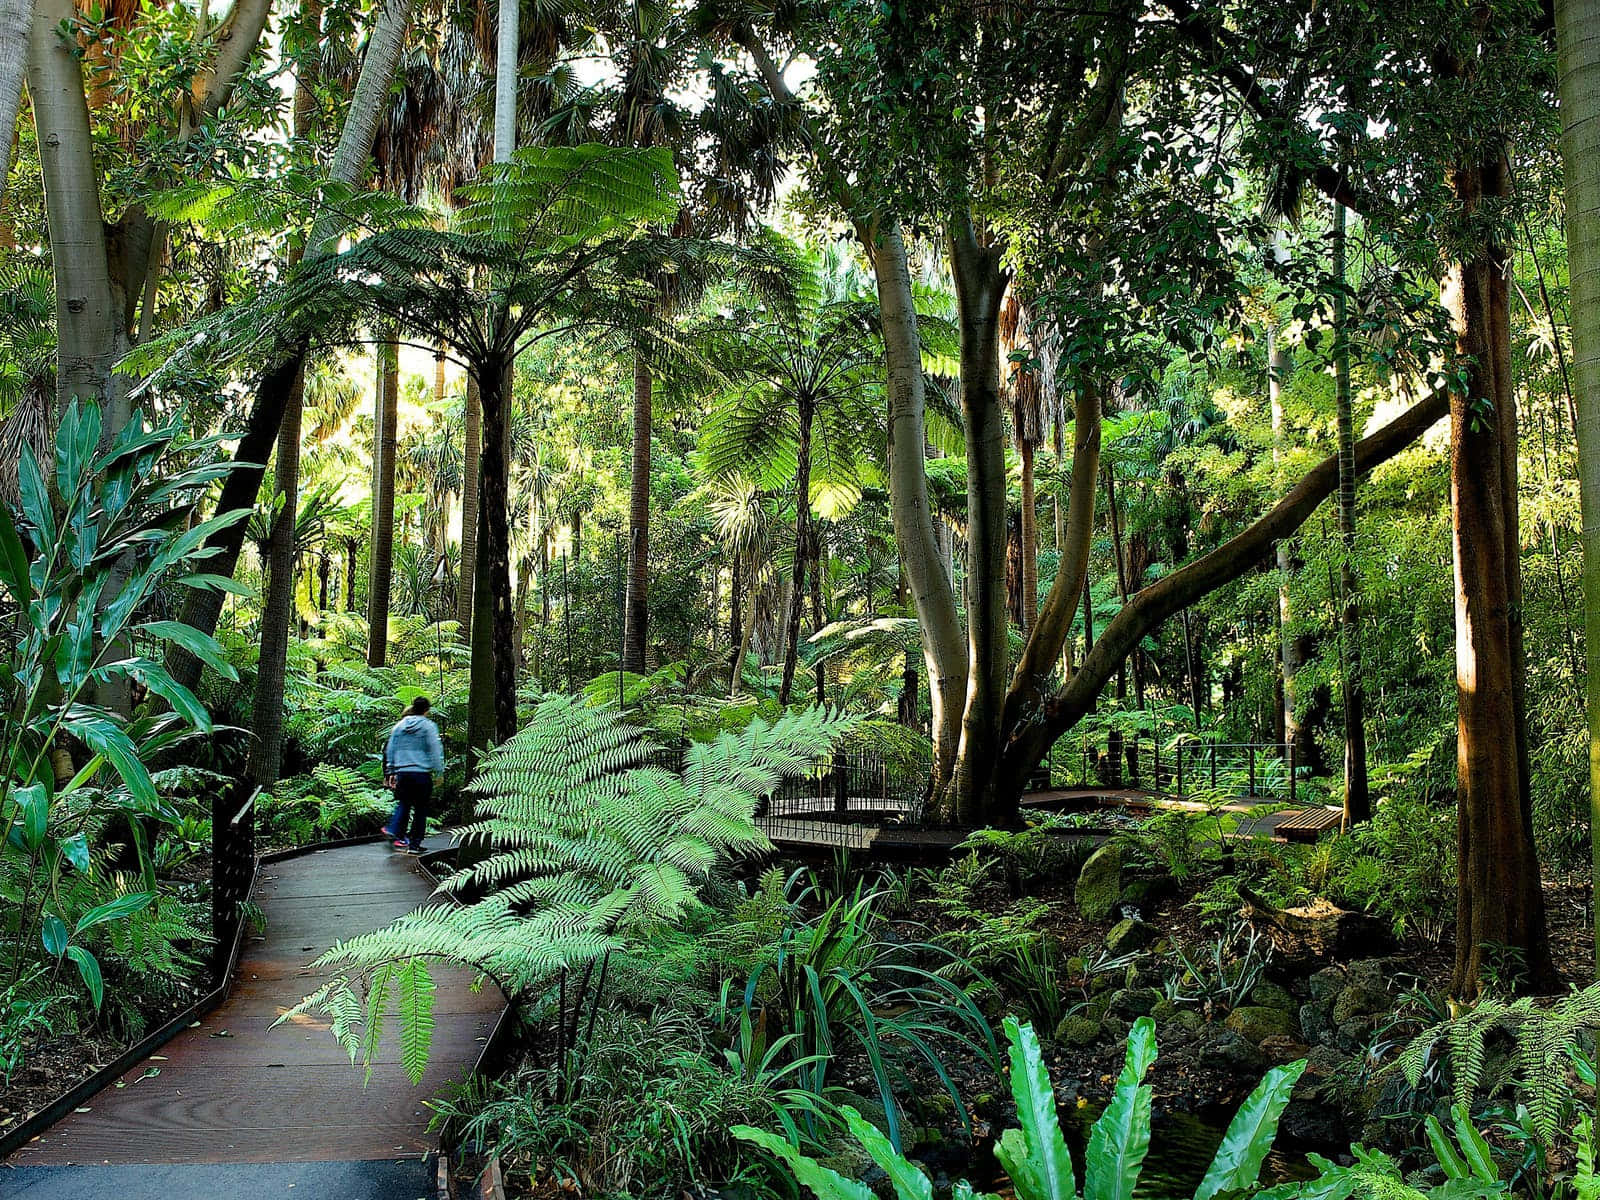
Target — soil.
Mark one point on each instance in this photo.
(52, 1068)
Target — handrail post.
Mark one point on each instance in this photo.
(1252, 769)
(1213, 766)
(1292, 773)
(1181, 749)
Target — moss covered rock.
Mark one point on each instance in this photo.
(1256, 1023)
(1078, 1030)
(1100, 883)
(1129, 935)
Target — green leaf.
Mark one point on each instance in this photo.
(824, 1183)
(1473, 1146)
(89, 969)
(208, 582)
(1444, 1150)
(1120, 1139)
(34, 804)
(76, 851)
(909, 1181)
(53, 933)
(416, 1016)
(1237, 1163)
(104, 737)
(35, 496)
(182, 700)
(113, 910)
(1037, 1159)
(14, 561)
(195, 642)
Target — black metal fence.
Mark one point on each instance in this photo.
(233, 866)
(850, 785)
(1186, 767)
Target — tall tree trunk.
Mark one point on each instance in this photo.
(1296, 648)
(1499, 897)
(469, 508)
(752, 597)
(1357, 803)
(16, 18)
(636, 605)
(1578, 50)
(385, 443)
(735, 618)
(1030, 541)
(980, 287)
(803, 535)
(277, 609)
(90, 334)
(927, 571)
(495, 550)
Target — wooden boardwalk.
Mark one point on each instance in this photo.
(233, 1090)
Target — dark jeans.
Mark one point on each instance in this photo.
(413, 791)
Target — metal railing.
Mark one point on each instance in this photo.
(1187, 767)
(849, 784)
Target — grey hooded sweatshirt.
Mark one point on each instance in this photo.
(414, 746)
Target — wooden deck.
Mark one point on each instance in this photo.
(233, 1090)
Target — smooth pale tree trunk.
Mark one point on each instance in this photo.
(1357, 803)
(980, 282)
(274, 390)
(804, 551)
(469, 508)
(1174, 592)
(16, 17)
(1578, 57)
(928, 572)
(636, 619)
(90, 334)
(385, 435)
(752, 603)
(1299, 731)
(1499, 898)
(1048, 647)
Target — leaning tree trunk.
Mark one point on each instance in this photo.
(636, 618)
(803, 535)
(469, 509)
(980, 287)
(385, 443)
(239, 490)
(1357, 804)
(932, 592)
(1499, 901)
(1578, 49)
(16, 16)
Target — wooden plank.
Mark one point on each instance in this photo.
(246, 1097)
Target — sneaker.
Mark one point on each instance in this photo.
(400, 844)
(416, 850)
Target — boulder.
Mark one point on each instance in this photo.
(1229, 1050)
(1078, 1031)
(1354, 1034)
(1165, 1011)
(1313, 1123)
(1316, 1022)
(1100, 883)
(1370, 973)
(1128, 935)
(1328, 983)
(1270, 995)
(1190, 1020)
(1256, 1023)
(1135, 1002)
(1358, 1000)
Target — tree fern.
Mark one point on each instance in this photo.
(590, 849)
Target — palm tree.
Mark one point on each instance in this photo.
(385, 442)
(805, 410)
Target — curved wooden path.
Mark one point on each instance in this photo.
(233, 1090)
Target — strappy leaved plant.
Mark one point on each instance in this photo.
(590, 849)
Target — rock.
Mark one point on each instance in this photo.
(1270, 995)
(1165, 1012)
(1100, 883)
(1191, 1020)
(1128, 935)
(1282, 1048)
(1312, 1123)
(1328, 983)
(1370, 973)
(1354, 1034)
(1257, 1023)
(1358, 1000)
(1078, 1031)
(1227, 1049)
(1134, 1002)
(1145, 893)
(1316, 1022)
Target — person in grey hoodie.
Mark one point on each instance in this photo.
(411, 758)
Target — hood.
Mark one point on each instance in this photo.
(412, 723)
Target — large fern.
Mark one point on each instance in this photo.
(589, 849)
(1538, 1067)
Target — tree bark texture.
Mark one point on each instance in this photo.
(636, 604)
(469, 508)
(385, 442)
(804, 534)
(16, 18)
(1357, 803)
